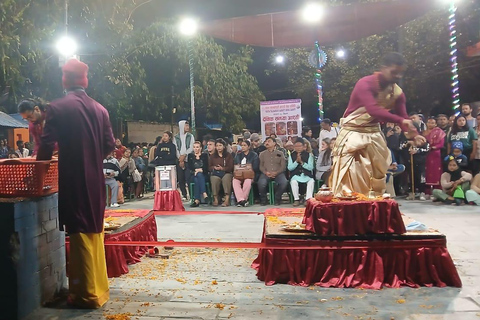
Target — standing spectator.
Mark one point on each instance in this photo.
(272, 167)
(141, 168)
(21, 151)
(463, 133)
(307, 133)
(151, 152)
(184, 141)
(416, 118)
(467, 113)
(451, 121)
(419, 150)
(242, 187)
(454, 183)
(476, 162)
(111, 169)
(165, 152)
(220, 165)
(3, 150)
(393, 141)
(473, 195)
(327, 131)
(127, 167)
(442, 123)
(324, 162)
(198, 166)
(206, 138)
(436, 139)
(119, 149)
(300, 165)
(256, 145)
(81, 126)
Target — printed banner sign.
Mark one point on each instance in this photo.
(281, 117)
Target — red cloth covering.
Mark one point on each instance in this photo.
(168, 201)
(350, 218)
(359, 264)
(119, 257)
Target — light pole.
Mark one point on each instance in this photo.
(313, 13)
(188, 27)
(66, 46)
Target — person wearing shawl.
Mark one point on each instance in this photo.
(361, 157)
(184, 142)
(454, 183)
(436, 139)
(82, 128)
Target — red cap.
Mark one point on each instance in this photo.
(75, 74)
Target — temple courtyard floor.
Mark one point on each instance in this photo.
(220, 284)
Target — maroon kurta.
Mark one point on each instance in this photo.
(82, 128)
(364, 95)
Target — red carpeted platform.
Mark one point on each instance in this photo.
(366, 260)
(136, 225)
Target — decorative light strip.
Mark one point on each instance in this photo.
(453, 57)
(318, 80)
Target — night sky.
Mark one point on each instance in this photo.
(273, 87)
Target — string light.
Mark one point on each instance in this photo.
(453, 56)
(322, 59)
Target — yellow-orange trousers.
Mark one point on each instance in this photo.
(87, 271)
(360, 161)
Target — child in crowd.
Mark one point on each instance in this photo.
(457, 154)
(454, 183)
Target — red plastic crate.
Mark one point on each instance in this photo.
(28, 178)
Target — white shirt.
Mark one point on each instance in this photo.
(324, 134)
(22, 154)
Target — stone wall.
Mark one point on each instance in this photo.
(36, 251)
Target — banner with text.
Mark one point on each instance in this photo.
(281, 117)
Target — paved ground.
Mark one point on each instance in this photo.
(219, 284)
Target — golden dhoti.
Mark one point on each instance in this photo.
(87, 270)
(360, 157)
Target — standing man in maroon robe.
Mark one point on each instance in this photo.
(82, 128)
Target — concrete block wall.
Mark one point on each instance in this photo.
(37, 252)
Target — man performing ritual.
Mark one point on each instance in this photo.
(81, 126)
(360, 156)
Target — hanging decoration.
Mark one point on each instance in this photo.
(453, 57)
(318, 59)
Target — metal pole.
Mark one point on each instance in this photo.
(192, 86)
(66, 17)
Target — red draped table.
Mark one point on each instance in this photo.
(368, 261)
(348, 218)
(168, 201)
(142, 228)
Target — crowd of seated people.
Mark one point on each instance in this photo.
(445, 168)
